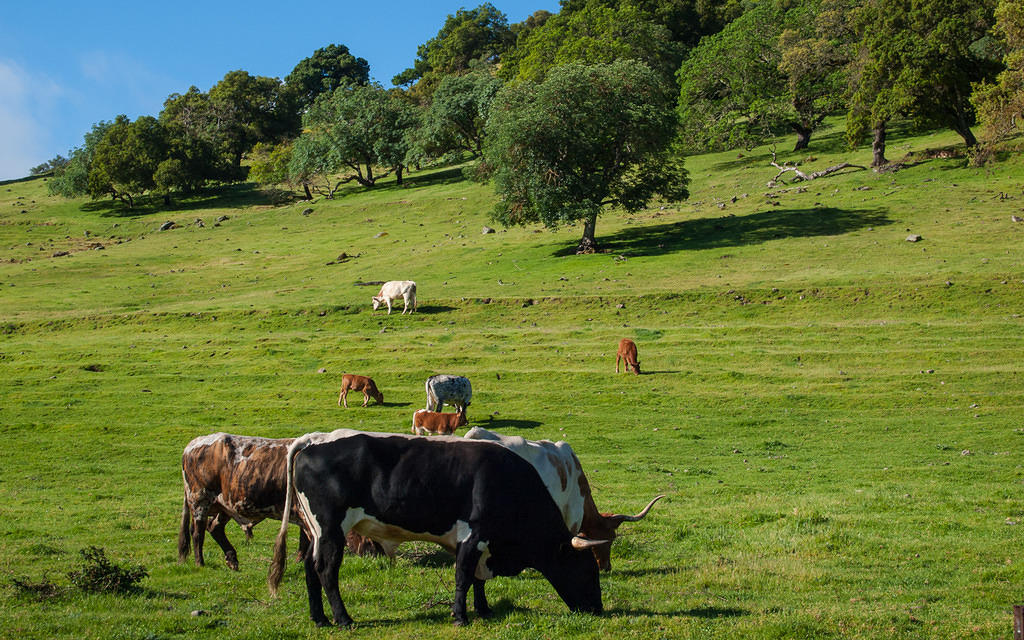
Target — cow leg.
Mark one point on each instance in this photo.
(216, 527)
(343, 398)
(617, 358)
(329, 562)
(366, 398)
(316, 600)
(199, 516)
(467, 555)
(480, 600)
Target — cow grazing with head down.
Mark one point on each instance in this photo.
(393, 290)
(476, 499)
(455, 391)
(350, 382)
(562, 473)
(234, 477)
(627, 352)
(436, 423)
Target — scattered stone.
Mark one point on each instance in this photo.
(307, 211)
(58, 254)
(965, 452)
(167, 225)
(863, 188)
(381, 234)
(486, 230)
(199, 223)
(913, 238)
(620, 306)
(198, 612)
(1016, 218)
(223, 218)
(321, 370)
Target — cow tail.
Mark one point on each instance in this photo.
(185, 532)
(414, 296)
(281, 543)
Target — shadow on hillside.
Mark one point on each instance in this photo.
(655, 373)
(231, 196)
(414, 180)
(434, 308)
(735, 231)
(507, 423)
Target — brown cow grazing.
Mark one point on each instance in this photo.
(350, 382)
(436, 423)
(233, 477)
(627, 351)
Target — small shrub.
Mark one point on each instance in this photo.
(100, 575)
(42, 590)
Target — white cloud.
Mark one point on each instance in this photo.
(25, 99)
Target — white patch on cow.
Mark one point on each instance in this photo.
(203, 441)
(310, 519)
(482, 572)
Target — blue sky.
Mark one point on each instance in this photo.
(66, 65)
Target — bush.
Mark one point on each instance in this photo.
(100, 575)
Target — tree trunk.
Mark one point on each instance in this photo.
(305, 186)
(587, 243)
(398, 174)
(167, 199)
(803, 136)
(964, 129)
(878, 146)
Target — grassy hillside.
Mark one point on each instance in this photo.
(833, 411)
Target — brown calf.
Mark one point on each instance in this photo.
(627, 351)
(439, 424)
(350, 382)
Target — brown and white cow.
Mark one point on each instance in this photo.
(562, 473)
(351, 382)
(234, 477)
(627, 352)
(436, 423)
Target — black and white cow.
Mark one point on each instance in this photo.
(475, 498)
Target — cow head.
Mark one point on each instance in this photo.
(600, 534)
(377, 301)
(636, 368)
(378, 396)
(573, 573)
(462, 418)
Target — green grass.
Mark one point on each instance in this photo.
(833, 412)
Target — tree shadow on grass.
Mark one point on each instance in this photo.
(229, 196)
(509, 424)
(431, 309)
(735, 231)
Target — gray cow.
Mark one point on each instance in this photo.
(454, 391)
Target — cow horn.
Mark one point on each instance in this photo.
(584, 543)
(618, 518)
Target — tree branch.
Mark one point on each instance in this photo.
(786, 167)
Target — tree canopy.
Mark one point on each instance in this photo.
(327, 69)
(1000, 104)
(587, 137)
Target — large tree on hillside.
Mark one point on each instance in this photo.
(126, 159)
(771, 68)
(586, 138)
(248, 109)
(919, 60)
(327, 69)
(470, 35)
(593, 34)
(687, 20)
(458, 111)
(1000, 104)
(354, 128)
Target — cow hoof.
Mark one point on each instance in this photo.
(485, 612)
(322, 623)
(461, 622)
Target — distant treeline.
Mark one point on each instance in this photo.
(740, 71)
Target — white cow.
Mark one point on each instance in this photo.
(393, 290)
